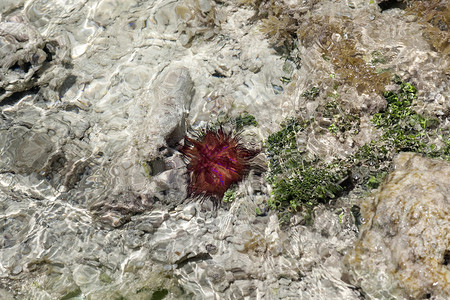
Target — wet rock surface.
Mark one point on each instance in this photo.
(95, 97)
(28, 61)
(404, 242)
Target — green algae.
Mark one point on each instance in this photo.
(406, 130)
(299, 183)
(230, 195)
(244, 120)
(312, 93)
(341, 122)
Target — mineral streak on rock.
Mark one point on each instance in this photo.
(403, 243)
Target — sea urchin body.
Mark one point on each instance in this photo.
(215, 161)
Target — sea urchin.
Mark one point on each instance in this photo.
(215, 161)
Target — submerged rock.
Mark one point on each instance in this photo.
(26, 61)
(166, 108)
(91, 184)
(404, 244)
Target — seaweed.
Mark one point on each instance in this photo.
(299, 183)
(406, 130)
(279, 21)
(244, 120)
(435, 14)
(337, 41)
(196, 18)
(280, 30)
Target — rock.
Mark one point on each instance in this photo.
(404, 242)
(117, 210)
(25, 151)
(4, 294)
(94, 98)
(83, 275)
(23, 54)
(166, 107)
(186, 19)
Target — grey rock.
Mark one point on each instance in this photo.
(23, 58)
(25, 151)
(4, 294)
(167, 104)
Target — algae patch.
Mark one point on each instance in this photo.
(406, 130)
(436, 17)
(300, 182)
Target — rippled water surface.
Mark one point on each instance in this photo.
(96, 95)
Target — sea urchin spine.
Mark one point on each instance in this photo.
(215, 161)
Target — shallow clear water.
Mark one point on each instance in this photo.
(91, 185)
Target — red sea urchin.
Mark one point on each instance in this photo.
(215, 161)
